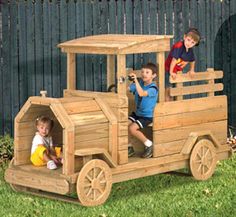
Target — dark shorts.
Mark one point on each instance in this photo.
(141, 121)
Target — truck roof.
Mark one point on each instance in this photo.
(117, 44)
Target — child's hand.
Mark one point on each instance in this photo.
(191, 74)
(133, 76)
(173, 75)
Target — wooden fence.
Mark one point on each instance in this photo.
(31, 29)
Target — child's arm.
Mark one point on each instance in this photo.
(172, 66)
(191, 71)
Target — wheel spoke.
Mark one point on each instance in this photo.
(208, 150)
(89, 192)
(199, 167)
(94, 194)
(100, 173)
(202, 172)
(89, 178)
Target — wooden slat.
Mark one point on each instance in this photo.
(113, 99)
(190, 105)
(218, 128)
(94, 151)
(97, 143)
(169, 148)
(88, 118)
(161, 76)
(202, 88)
(81, 107)
(38, 181)
(199, 76)
(190, 118)
(71, 77)
(121, 72)
(91, 132)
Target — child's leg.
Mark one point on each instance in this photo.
(134, 131)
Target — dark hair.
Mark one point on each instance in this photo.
(44, 119)
(151, 66)
(194, 34)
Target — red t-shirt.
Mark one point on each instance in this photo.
(178, 51)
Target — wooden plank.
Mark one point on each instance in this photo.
(88, 118)
(201, 88)
(71, 76)
(97, 143)
(212, 81)
(168, 149)
(190, 105)
(123, 157)
(178, 20)
(110, 70)
(123, 143)
(218, 128)
(122, 128)
(121, 72)
(38, 181)
(55, 58)
(68, 151)
(14, 70)
(5, 77)
(179, 85)
(47, 51)
(80, 67)
(129, 14)
(94, 151)
(190, 118)
(38, 46)
(88, 27)
(81, 107)
(161, 76)
(91, 132)
(197, 77)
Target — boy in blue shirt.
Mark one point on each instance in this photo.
(180, 55)
(146, 94)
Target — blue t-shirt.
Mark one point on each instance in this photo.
(145, 105)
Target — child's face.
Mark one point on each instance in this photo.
(147, 75)
(189, 42)
(43, 129)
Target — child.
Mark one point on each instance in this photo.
(180, 55)
(145, 92)
(42, 151)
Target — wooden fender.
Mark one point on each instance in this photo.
(193, 137)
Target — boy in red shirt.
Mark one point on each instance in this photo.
(180, 55)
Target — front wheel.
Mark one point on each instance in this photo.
(94, 183)
(203, 160)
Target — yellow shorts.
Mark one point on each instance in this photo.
(37, 157)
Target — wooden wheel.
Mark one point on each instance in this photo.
(203, 160)
(94, 183)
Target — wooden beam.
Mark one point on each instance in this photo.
(121, 73)
(110, 70)
(71, 76)
(161, 77)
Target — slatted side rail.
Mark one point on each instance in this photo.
(209, 87)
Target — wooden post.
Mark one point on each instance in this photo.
(179, 85)
(161, 77)
(71, 77)
(212, 81)
(110, 70)
(121, 73)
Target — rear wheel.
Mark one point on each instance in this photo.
(203, 160)
(94, 183)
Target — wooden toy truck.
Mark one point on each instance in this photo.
(93, 126)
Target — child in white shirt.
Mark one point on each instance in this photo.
(42, 151)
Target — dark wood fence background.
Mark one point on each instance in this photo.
(31, 29)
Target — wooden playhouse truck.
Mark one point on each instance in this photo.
(93, 126)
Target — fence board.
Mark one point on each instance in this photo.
(6, 84)
(80, 59)
(38, 47)
(32, 29)
(55, 58)
(15, 105)
(47, 66)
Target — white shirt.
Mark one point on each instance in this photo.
(40, 140)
